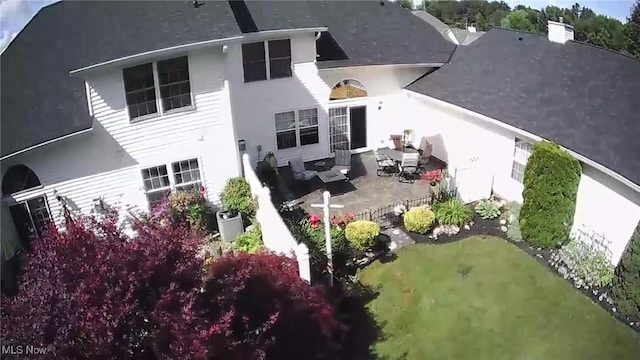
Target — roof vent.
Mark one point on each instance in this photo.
(559, 32)
(196, 4)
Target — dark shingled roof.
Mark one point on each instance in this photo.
(41, 102)
(371, 34)
(582, 97)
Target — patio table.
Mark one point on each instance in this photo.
(331, 177)
(394, 154)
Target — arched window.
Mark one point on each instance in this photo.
(18, 178)
(348, 89)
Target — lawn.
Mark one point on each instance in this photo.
(482, 298)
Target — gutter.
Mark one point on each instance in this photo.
(602, 168)
(417, 65)
(47, 143)
(249, 37)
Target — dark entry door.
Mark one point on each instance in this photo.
(358, 122)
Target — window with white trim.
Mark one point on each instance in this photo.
(521, 154)
(297, 128)
(266, 60)
(157, 88)
(160, 180)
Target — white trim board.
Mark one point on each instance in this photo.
(527, 134)
(47, 143)
(153, 54)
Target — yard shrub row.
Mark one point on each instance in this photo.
(626, 282)
(551, 181)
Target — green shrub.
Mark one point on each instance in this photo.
(249, 241)
(626, 282)
(236, 196)
(188, 207)
(513, 225)
(362, 234)
(551, 180)
(453, 212)
(419, 220)
(488, 209)
(586, 264)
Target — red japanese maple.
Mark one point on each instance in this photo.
(252, 307)
(91, 291)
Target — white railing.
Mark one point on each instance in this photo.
(275, 234)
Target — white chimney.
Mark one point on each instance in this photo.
(560, 32)
(471, 28)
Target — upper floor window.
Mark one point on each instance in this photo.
(520, 157)
(173, 90)
(266, 60)
(348, 89)
(296, 128)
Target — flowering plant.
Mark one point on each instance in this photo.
(399, 209)
(433, 177)
(314, 220)
(341, 220)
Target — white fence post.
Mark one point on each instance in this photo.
(275, 234)
(304, 263)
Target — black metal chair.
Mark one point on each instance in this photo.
(386, 165)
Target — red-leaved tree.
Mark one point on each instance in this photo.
(252, 307)
(90, 292)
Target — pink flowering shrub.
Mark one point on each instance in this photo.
(432, 177)
(252, 307)
(91, 292)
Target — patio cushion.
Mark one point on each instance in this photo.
(299, 172)
(343, 169)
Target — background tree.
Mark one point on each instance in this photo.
(517, 20)
(589, 27)
(632, 31)
(407, 4)
(626, 282)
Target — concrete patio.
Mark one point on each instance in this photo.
(365, 190)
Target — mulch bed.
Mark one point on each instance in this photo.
(492, 228)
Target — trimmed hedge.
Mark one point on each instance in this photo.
(626, 282)
(551, 180)
(362, 234)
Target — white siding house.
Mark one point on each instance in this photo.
(107, 163)
(606, 209)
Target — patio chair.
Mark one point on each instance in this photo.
(299, 172)
(343, 161)
(386, 165)
(425, 150)
(409, 167)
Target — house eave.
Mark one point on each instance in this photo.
(193, 46)
(46, 143)
(400, 66)
(635, 187)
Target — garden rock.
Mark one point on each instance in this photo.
(503, 222)
(467, 227)
(503, 228)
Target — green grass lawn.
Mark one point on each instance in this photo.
(482, 298)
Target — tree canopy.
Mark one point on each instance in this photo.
(589, 27)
